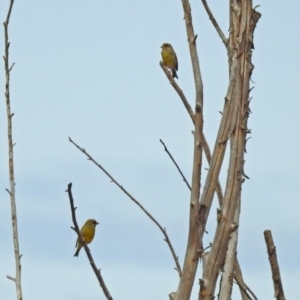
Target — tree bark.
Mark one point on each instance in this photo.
(230, 260)
(279, 294)
(11, 192)
(193, 246)
(243, 21)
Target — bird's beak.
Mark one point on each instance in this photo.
(97, 223)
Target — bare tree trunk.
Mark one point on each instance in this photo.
(279, 294)
(242, 23)
(11, 192)
(230, 260)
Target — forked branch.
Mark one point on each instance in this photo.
(86, 248)
(163, 230)
(191, 114)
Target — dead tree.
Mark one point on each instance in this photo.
(233, 130)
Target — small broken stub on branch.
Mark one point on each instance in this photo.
(198, 108)
(234, 227)
(198, 253)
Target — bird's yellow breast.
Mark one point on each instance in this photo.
(88, 233)
(169, 58)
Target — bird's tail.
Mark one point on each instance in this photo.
(77, 251)
(174, 74)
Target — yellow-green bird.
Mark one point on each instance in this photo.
(87, 232)
(169, 58)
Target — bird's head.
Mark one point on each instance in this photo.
(91, 222)
(166, 46)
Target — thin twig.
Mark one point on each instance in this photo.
(250, 291)
(215, 23)
(238, 276)
(170, 155)
(86, 248)
(243, 289)
(12, 191)
(11, 278)
(163, 230)
(279, 294)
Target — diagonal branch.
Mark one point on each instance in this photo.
(240, 281)
(243, 289)
(170, 155)
(86, 248)
(215, 23)
(163, 230)
(178, 90)
(191, 114)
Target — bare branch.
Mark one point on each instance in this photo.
(86, 248)
(208, 157)
(243, 289)
(250, 291)
(191, 114)
(238, 276)
(215, 23)
(11, 67)
(163, 230)
(236, 104)
(193, 246)
(230, 259)
(12, 191)
(279, 294)
(11, 278)
(178, 90)
(170, 155)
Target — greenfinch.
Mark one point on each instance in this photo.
(169, 58)
(87, 232)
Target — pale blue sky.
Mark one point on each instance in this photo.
(90, 70)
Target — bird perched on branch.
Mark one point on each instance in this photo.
(169, 58)
(87, 232)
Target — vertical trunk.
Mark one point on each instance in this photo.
(192, 252)
(243, 20)
(17, 279)
(230, 260)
